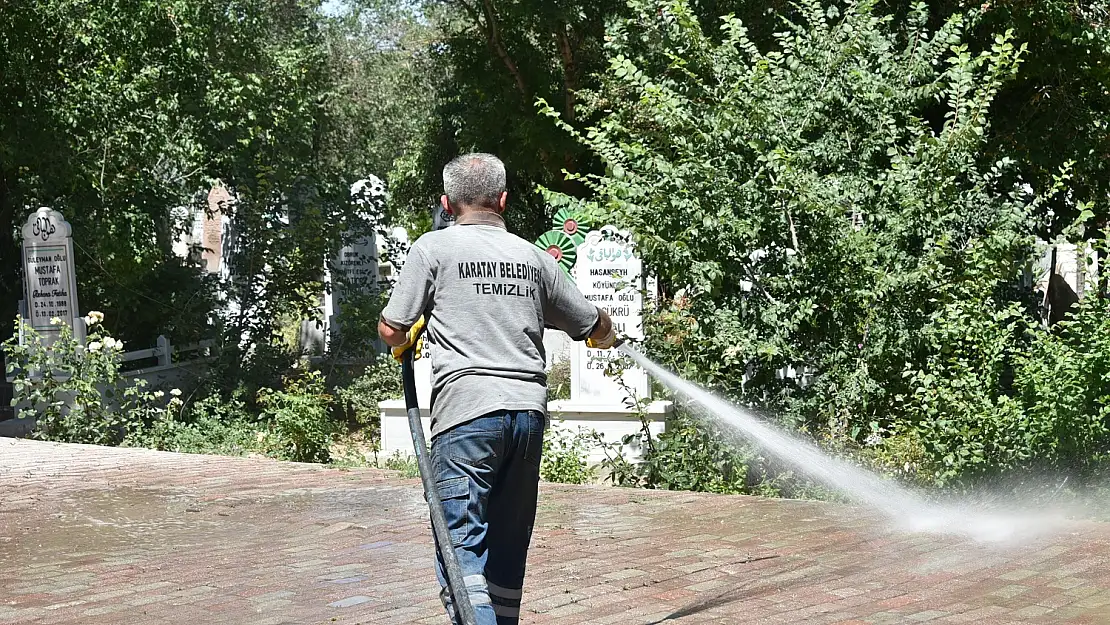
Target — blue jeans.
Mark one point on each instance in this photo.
(487, 473)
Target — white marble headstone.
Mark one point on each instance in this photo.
(48, 274)
(609, 274)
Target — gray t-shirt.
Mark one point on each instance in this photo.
(487, 295)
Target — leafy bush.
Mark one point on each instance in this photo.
(74, 388)
(824, 205)
(210, 425)
(1000, 394)
(558, 380)
(564, 458)
(405, 464)
(1063, 383)
(358, 399)
(298, 425)
(293, 424)
(78, 395)
(688, 455)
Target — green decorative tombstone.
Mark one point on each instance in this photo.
(571, 224)
(563, 239)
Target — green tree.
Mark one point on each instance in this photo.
(493, 59)
(1056, 110)
(119, 112)
(804, 205)
(381, 53)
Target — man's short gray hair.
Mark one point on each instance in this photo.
(476, 179)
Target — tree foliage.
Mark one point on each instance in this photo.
(805, 207)
(117, 113)
(832, 194)
(1056, 108)
(381, 52)
(493, 59)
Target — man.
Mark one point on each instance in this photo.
(486, 296)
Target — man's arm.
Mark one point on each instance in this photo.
(411, 295)
(603, 330)
(570, 311)
(392, 336)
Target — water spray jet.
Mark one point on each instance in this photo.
(907, 510)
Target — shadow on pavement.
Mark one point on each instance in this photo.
(732, 594)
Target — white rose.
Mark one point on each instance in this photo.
(159, 394)
(55, 321)
(176, 392)
(94, 346)
(94, 317)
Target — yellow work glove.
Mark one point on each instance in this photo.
(605, 342)
(414, 340)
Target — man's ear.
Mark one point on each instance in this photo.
(446, 205)
(503, 202)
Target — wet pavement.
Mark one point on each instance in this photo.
(100, 535)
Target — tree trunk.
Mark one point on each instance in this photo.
(570, 71)
(566, 42)
(11, 262)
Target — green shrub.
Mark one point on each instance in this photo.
(358, 398)
(564, 457)
(297, 420)
(293, 424)
(825, 203)
(1000, 395)
(1063, 384)
(209, 425)
(558, 380)
(688, 455)
(78, 395)
(405, 464)
(74, 388)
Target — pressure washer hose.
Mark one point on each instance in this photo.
(455, 582)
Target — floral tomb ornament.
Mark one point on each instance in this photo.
(568, 232)
(560, 246)
(572, 224)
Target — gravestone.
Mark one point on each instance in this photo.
(354, 272)
(212, 233)
(608, 271)
(50, 283)
(610, 274)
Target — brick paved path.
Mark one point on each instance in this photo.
(98, 535)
